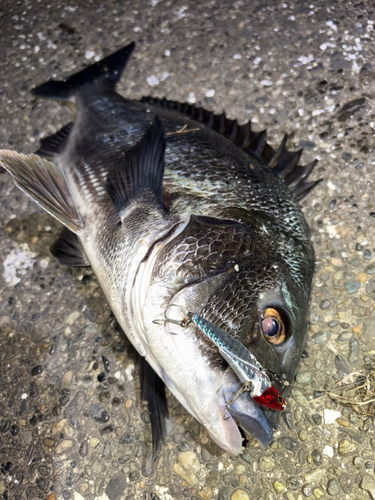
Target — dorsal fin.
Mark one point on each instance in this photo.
(107, 71)
(283, 162)
(143, 169)
(51, 146)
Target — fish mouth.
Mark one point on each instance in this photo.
(223, 421)
(245, 411)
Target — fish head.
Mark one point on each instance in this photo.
(255, 293)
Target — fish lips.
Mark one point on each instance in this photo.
(245, 411)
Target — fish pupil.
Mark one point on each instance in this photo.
(270, 327)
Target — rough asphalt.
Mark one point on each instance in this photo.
(71, 422)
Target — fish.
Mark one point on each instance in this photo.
(173, 205)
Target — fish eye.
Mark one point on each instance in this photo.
(273, 327)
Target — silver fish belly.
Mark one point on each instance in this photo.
(172, 205)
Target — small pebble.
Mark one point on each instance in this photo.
(292, 483)
(352, 286)
(98, 413)
(106, 364)
(367, 254)
(321, 337)
(83, 448)
(341, 366)
(239, 495)
(33, 390)
(239, 469)
(343, 422)
(318, 492)
(266, 464)
(5, 426)
(83, 487)
(368, 484)
(48, 442)
(298, 414)
(67, 378)
(279, 487)
(333, 487)
(370, 269)
(324, 304)
(288, 465)
(37, 370)
(303, 435)
(288, 443)
(346, 483)
(63, 446)
(353, 418)
(362, 277)
(314, 475)
(68, 430)
(188, 464)
(316, 418)
(58, 426)
(346, 447)
(370, 287)
(304, 378)
(344, 336)
(307, 491)
(93, 441)
(128, 403)
(205, 493)
(316, 457)
(357, 329)
(354, 349)
(183, 446)
(206, 455)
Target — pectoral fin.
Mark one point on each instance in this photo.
(45, 184)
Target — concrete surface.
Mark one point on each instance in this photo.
(290, 67)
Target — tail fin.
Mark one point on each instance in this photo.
(107, 71)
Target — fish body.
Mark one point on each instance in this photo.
(175, 206)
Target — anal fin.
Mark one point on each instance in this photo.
(45, 184)
(153, 393)
(68, 250)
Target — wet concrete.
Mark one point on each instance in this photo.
(71, 429)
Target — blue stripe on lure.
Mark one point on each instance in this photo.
(243, 363)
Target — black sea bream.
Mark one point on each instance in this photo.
(178, 210)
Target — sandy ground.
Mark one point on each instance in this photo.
(305, 68)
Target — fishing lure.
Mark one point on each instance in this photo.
(254, 378)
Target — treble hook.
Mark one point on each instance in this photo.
(185, 322)
(277, 378)
(246, 387)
